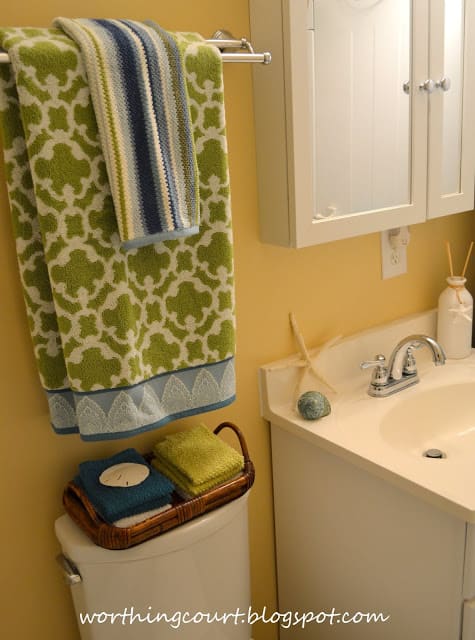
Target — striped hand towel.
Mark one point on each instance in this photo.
(139, 93)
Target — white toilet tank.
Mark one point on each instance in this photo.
(201, 567)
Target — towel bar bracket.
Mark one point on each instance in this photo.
(225, 40)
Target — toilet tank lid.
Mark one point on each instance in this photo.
(78, 547)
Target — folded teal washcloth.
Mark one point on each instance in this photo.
(114, 503)
(138, 88)
(196, 460)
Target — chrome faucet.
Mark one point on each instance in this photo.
(401, 370)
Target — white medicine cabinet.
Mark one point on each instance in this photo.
(365, 118)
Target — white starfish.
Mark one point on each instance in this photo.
(306, 364)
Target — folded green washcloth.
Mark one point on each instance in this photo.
(183, 486)
(196, 460)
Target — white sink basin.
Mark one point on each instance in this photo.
(442, 418)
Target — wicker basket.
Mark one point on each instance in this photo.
(80, 509)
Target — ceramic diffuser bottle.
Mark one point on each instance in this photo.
(455, 314)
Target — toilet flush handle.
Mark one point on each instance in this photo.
(70, 573)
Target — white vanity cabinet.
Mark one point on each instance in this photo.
(364, 521)
(364, 119)
(348, 542)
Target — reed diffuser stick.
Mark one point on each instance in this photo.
(449, 254)
(467, 259)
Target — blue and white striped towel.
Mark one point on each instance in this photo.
(140, 100)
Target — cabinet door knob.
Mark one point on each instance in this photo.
(443, 83)
(428, 85)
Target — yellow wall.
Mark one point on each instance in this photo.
(333, 289)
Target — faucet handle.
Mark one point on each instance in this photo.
(379, 361)
(380, 373)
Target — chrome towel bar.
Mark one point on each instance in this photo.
(240, 49)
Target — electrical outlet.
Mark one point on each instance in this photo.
(393, 252)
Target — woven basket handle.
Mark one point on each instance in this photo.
(239, 434)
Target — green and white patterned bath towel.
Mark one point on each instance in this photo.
(125, 341)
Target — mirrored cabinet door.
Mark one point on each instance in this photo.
(452, 148)
(361, 67)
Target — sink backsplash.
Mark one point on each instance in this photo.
(339, 364)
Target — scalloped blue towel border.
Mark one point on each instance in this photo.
(120, 413)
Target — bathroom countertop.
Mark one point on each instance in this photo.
(353, 429)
